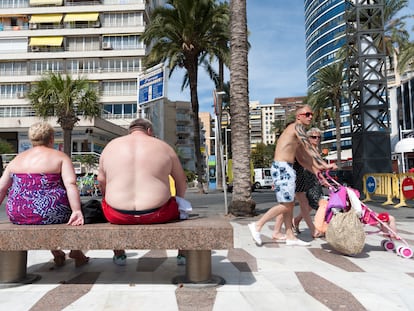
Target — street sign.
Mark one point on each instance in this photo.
(371, 184)
(408, 188)
(151, 84)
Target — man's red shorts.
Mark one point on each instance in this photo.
(166, 213)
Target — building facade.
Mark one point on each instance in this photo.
(95, 39)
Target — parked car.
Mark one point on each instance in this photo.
(262, 178)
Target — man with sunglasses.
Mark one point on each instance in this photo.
(292, 143)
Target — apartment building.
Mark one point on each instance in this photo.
(95, 39)
(179, 131)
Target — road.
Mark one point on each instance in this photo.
(213, 203)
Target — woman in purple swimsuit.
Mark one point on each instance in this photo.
(40, 184)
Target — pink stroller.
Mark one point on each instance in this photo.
(344, 198)
(382, 220)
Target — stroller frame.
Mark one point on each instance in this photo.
(370, 217)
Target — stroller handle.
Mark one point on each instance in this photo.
(333, 184)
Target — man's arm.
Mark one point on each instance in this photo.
(101, 176)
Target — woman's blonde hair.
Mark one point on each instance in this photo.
(313, 130)
(41, 133)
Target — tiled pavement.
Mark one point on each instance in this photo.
(271, 277)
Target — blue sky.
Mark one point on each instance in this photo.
(277, 64)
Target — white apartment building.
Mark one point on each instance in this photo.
(95, 39)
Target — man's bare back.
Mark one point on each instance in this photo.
(134, 171)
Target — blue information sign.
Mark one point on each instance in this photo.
(151, 85)
(371, 184)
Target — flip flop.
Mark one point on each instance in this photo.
(281, 238)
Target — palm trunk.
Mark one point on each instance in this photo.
(242, 203)
(338, 132)
(67, 141)
(193, 79)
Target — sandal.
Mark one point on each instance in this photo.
(295, 228)
(79, 257)
(279, 238)
(318, 234)
(59, 258)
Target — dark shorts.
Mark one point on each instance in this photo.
(166, 213)
(284, 177)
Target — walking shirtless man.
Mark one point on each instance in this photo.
(292, 143)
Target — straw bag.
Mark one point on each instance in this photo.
(345, 233)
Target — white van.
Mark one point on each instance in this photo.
(262, 178)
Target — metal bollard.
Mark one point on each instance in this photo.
(12, 266)
(198, 265)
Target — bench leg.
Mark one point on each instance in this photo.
(198, 270)
(198, 265)
(13, 269)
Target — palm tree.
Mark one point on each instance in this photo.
(406, 57)
(67, 99)
(184, 33)
(242, 203)
(327, 92)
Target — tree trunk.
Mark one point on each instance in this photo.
(338, 131)
(242, 203)
(192, 71)
(67, 141)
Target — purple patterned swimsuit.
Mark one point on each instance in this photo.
(38, 199)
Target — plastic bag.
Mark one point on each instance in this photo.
(346, 233)
(354, 201)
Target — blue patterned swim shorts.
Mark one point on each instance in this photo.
(284, 181)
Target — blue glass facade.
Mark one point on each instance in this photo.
(325, 33)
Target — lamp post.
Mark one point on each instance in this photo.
(219, 155)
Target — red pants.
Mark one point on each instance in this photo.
(166, 213)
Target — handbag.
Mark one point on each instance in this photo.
(346, 233)
(92, 212)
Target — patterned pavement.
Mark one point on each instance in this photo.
(271, 277)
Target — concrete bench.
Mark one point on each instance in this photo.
(198, 236)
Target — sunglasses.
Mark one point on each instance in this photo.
(306, 114)
(315, 137)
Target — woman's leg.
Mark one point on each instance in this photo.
(305, 210)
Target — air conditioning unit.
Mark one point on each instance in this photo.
(32, 26)
(35, 49)
(106, 46)
(20, 95)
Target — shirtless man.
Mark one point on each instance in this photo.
(293, 143)
(134, 179)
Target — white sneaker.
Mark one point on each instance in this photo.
(297, 242)
(119, 260)
(181, 260)
(255, 234)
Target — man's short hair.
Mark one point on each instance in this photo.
(300, 107)
(140, 124)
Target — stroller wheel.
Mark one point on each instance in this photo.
(388, 245)
(405, 252)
